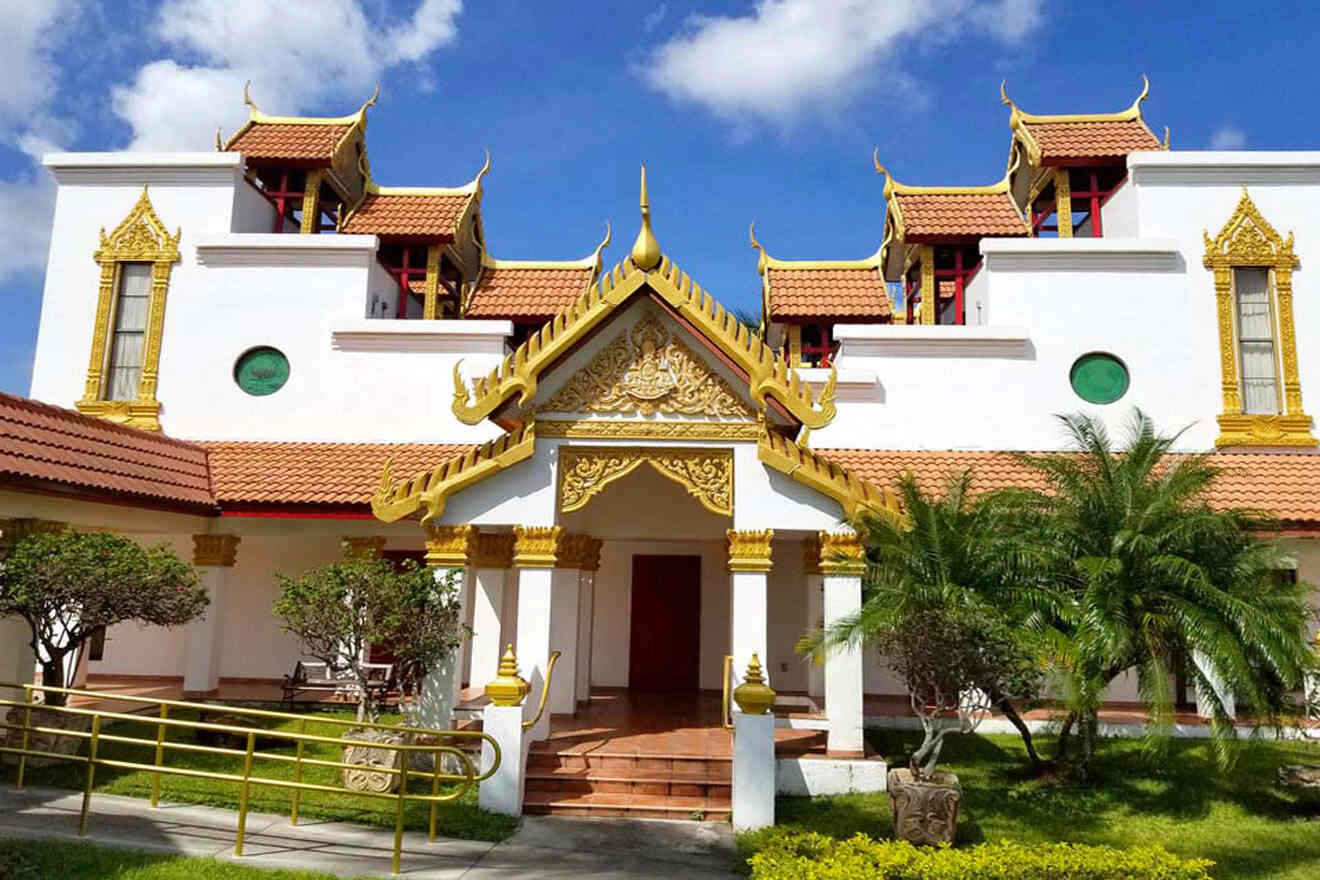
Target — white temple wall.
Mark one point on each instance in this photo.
(137, 649)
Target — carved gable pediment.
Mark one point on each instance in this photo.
(647, 370)
(140, 237)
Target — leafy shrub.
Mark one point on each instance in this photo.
(811, 856)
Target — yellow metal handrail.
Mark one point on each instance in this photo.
(466, 778)
(545, 691)
(725, 715)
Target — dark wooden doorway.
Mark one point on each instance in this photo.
(665, 645)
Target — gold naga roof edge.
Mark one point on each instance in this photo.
(431, 488)
(768, 374)
(765, 261)
(590, 261)
(854, 494)
(893, 189)
(472, 187)
(1019, 120)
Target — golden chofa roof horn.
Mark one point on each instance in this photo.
(645, 250)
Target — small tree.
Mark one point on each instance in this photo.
(338, 611)
(67, 585)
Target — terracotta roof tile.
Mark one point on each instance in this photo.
(313, 473)
(520, 292)
(40, 442)
(1098, 139)
(1286, 485)
(956, 214)
(827, 293)
(298, 141)
(425, 215)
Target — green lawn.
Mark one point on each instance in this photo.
(460, 818)
(1241, 820)
(43, 859)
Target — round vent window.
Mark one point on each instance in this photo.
(262, 371)
(1099, 377)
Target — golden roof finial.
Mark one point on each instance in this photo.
(247, 96)
(880, 169)
(1145, 92)
(645, 250)
(604, 243)
(1166, 137)
(1003, 94)
(219, 142)
(761, 261)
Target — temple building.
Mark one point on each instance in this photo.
(263, 358)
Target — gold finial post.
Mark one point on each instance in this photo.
(754, 696)
(645, 250)
(761, 261)
(508, 688)
(247, 96)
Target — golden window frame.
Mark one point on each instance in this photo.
(1248, 241)
(140, 237)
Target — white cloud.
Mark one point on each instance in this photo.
(1228, 137)
(654, 17)
(790, 59)
(297, 53)
(26, 204)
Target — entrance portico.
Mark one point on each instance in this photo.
(643, 425)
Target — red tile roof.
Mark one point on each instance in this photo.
(1096, 139)
(523, 292)
(418, 215)
(313, 473)
(826, 293)
(292, 141)
(1286, 485)
(51, 447)
(942, 215)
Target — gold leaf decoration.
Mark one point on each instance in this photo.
(706, 474)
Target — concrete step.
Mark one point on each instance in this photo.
(571, 783)
(627, 805)
(632, 765)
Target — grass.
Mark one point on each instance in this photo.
(1240, 819)
(42, 859)
(460, 818)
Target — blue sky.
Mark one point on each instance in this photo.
(764, 111)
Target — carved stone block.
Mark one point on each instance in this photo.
(367, 758)
(45, 742)
(925, 811)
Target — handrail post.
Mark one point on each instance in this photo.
(724, 703)
(435, 790)
(27, 731)
(243, 796)
(297, 774)
(398, 809)
(91, 774)
(160, 755)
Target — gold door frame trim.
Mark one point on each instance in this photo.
(706, 474)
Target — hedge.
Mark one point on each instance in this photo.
(811, 856)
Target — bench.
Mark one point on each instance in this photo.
(310, 677)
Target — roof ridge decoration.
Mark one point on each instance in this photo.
(893, 189)
(431, 489)
(768, 374)
(590, 261)
(765, 261)
(256, 117)
(855, 495)
(1018, 120)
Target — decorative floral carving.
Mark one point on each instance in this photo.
(494, 550)
(925, 812)
(648, 370)
(707, 474)
(537, 546)
(650, 429)
(450, 546)
(749, 550)
(215, 549)
(1248, 240)
(841, 554)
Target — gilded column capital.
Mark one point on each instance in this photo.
(217, 550)
(749, 550)
(591, 554)
(537, 546)
(841, 554)
(494, 550)
(811, 555)
(574, 553)
(450, 546)
(14, 530)
(363, 547)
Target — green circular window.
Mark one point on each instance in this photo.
(1099, 377)
(262, 371)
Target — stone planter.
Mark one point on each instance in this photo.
(365, 757)
(926, 811)
(1303, 780)
(45, 742)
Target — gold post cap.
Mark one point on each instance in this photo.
(645, 250)
(508, 688)
(754, 696)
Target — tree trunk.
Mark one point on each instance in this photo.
(1005, 705)
(52, 675)
(1065, 739)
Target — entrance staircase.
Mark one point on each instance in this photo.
(639, 786)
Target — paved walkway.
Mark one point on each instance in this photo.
(543, 848)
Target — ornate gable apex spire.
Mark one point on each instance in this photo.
(645, 250)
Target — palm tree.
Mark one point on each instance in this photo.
(953, 557)
(1147, 571)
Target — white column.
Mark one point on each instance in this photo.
(749, 564)
(503, 792)
(1203, 702)
(815, 669)
(842, 564)
(448, 549)
(753, 800)
(487, 611)
(213, 555)
(586, 622)
(564, 617)
(535, 551)
(17, 662)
